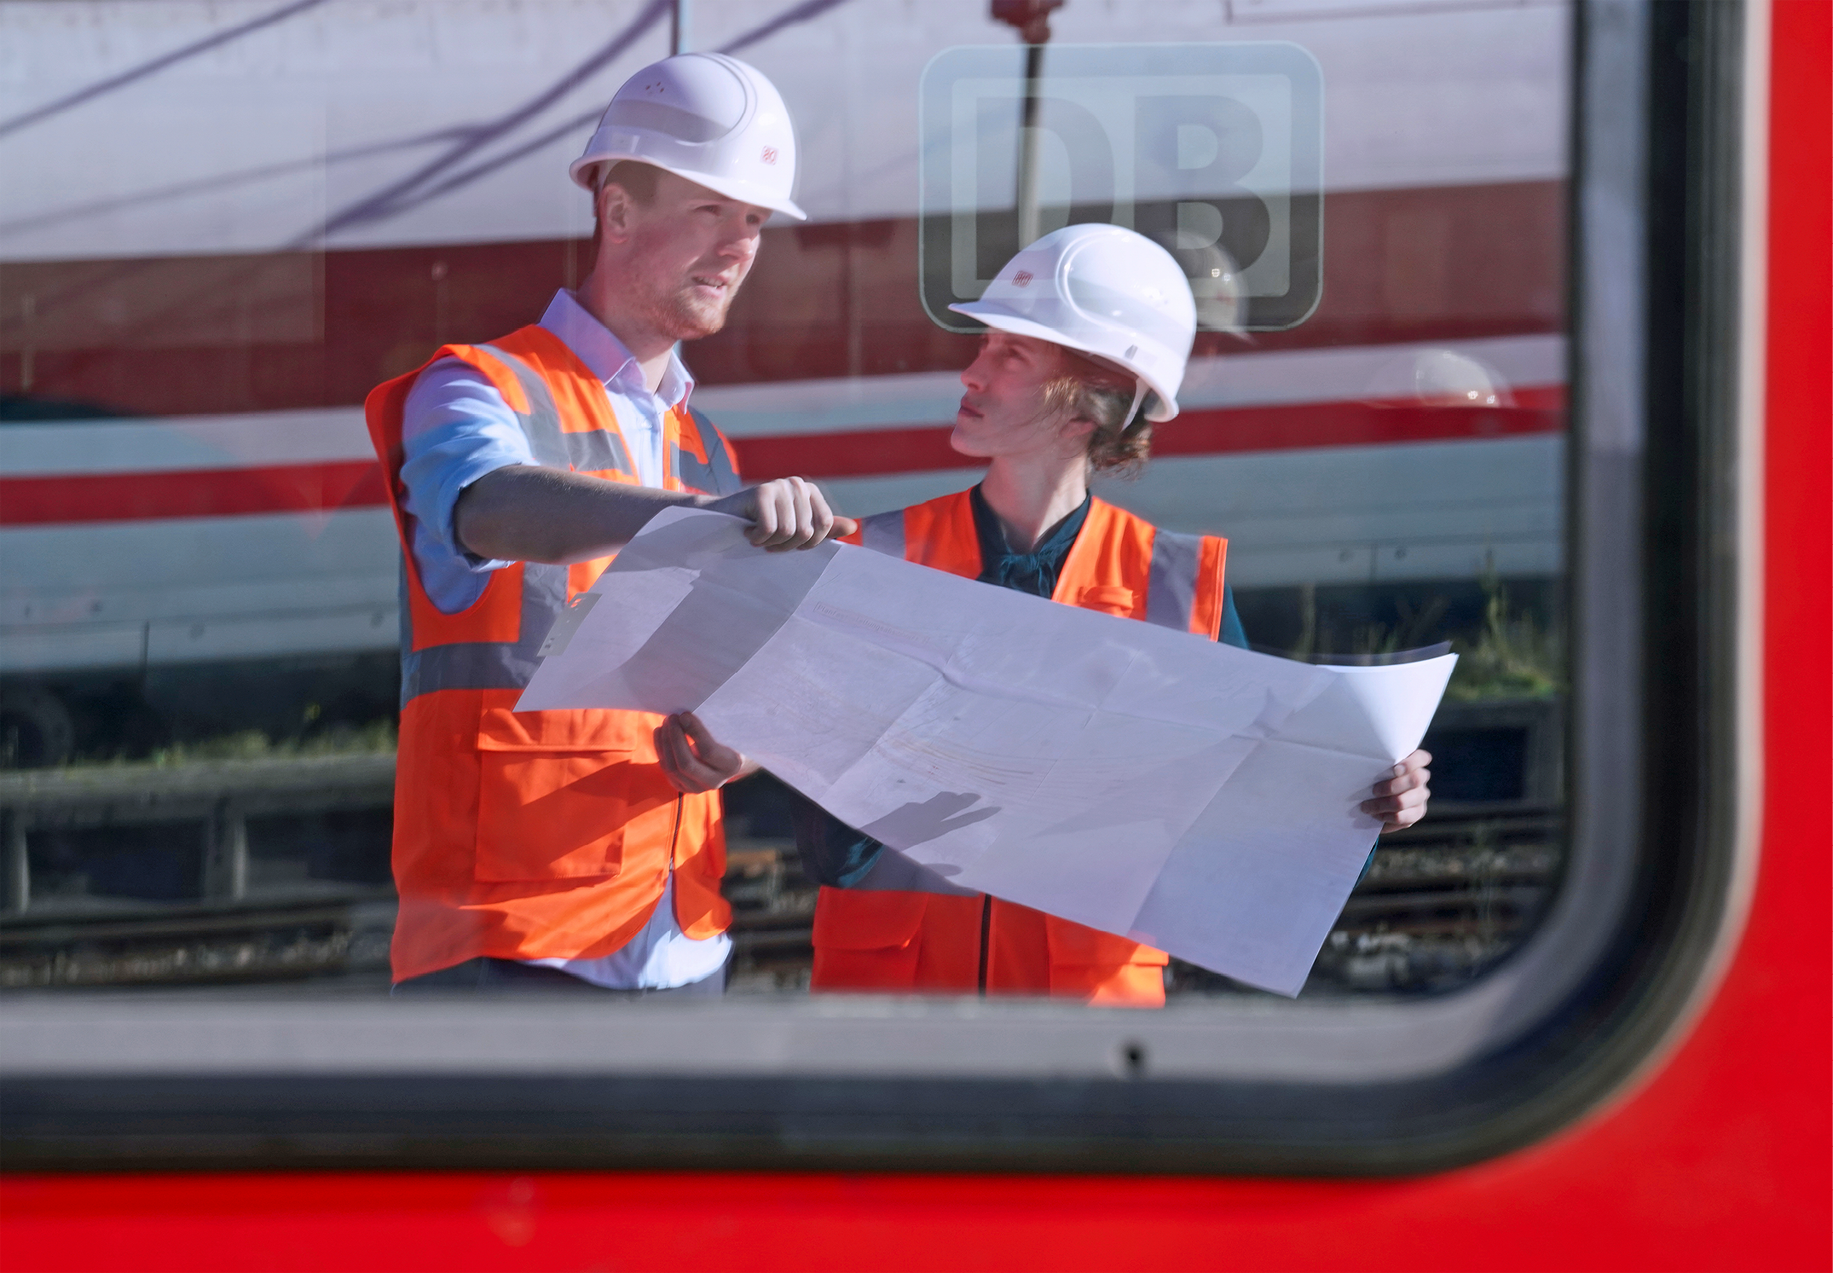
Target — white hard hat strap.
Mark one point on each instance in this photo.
(1140, 387)
(1140, 390)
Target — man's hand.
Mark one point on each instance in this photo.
(693, 759)
(786, 513)
(1400, 801)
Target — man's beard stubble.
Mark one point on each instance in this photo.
(680, 315)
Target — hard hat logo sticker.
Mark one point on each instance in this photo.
(769, 155)
(1022, 279)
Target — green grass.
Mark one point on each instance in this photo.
(375, 738)
(1513, 656)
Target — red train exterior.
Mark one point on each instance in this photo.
(1717, 1159)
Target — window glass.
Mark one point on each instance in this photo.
(225, 223)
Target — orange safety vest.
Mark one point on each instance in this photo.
(947, 944)
(535, 835)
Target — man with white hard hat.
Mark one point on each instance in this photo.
(1090, 329)
(578, 849)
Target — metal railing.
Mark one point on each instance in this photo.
(221, 795)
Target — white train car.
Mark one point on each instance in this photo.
(223, 221)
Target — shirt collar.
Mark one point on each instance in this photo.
(997, 558)
(605, 355)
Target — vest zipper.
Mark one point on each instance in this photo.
(986, 938)
(674, 841)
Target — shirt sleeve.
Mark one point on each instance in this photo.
(830, 851)
(1232, 632)
(455, 428)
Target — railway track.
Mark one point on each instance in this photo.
(1440, 902)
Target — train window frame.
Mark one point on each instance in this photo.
(1667, 200)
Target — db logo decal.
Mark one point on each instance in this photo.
(770, 154)
(1213, 151)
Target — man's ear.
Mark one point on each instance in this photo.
(616, 211)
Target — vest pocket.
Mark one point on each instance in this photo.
(865, 919)
(502, 728)
(1078, 945)
(562, 795)
(550, 815)
(1108, 599)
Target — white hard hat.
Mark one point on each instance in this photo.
(707, 117)
(1106, 292)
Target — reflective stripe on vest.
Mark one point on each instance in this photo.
(1172, 591)
(486, 665)
(884, 533)
(699, 465)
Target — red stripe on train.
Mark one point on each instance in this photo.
(129, 497)
(299, 488)
(1199, 432)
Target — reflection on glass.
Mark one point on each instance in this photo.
(198, 587)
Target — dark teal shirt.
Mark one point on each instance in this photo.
(834, 853)
(1036, 572)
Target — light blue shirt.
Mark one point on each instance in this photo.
(455, 428)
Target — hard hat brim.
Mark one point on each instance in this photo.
(1167, 408)
(743, 191)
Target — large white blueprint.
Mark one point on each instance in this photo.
(1190, 795)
